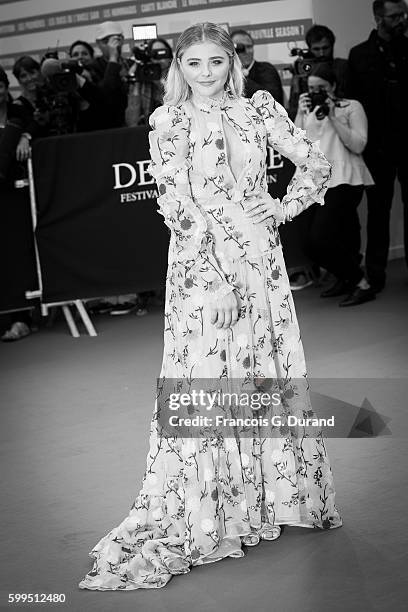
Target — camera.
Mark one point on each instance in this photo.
(61, 74)
(240, 48)
(147, 70)
(318, 99)
(66, 65)
(57, 105)
(304, 62)
(72, 66)
(63, 82)
(57, 100)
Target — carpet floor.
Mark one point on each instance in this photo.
(75, 417)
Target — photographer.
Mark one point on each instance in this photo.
(93, 106)
(333, 238)
(20, 322)
(147, 76)
(34, 120)
(110, 73)
(82, 52)
(379, 70)
(320, 42)
(10, 131)
(259, 75)
(68, 101)
(5, 97)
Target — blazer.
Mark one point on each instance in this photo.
(264, 76)
(379, 80)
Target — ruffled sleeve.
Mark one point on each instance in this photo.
(170, 150)
(312, 177)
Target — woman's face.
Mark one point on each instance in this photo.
(29, 79)
(81, 54)
(315, 85)
(165, 62)
(205, 67)
(3, 93)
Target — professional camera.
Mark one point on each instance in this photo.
(304, 62)
(146, 69)
(57, 100)
(319, 100)
(61, 74)
(240, 48)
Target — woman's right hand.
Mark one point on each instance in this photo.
(304, 103)
(224, 313)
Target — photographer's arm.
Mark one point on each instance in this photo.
(89, 91)
(111, 80)
(354, 133)
(32, 124)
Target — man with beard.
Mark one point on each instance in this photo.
(379, 73)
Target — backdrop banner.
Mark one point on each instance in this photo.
(98, 231)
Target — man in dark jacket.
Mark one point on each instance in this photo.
(109, 72)
(379, 73)
(259, 75)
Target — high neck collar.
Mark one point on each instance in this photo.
(207, 104)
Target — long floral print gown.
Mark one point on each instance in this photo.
(200, 496)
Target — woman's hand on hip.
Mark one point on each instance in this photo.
(263, 207)
(224, 313)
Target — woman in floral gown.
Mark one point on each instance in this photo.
(229, 316)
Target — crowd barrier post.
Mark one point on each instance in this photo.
(65, 306)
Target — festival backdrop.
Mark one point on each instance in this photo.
(35, 26)
(98, 231)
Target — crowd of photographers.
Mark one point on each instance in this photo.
(354, 108)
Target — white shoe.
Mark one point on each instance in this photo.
(270, 532)
(251, 539)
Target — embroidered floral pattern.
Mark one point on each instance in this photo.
(201, 496)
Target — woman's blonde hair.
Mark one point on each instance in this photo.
(177, 90)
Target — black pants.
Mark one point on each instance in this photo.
(384, 167)
(333, 236)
